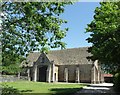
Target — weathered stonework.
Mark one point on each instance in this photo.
(70, 65)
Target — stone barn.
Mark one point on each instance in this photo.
(68, 65)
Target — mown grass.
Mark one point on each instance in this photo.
(45, 88)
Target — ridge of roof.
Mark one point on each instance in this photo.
(69, 49)
(62, 49)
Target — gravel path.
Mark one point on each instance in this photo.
(97, 89)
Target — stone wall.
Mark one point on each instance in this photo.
(84, 72)
(11, 78)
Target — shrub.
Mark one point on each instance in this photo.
(117, 82)
(6, 90)
(11, 69)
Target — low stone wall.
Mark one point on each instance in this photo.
(11, 78)
(108, 79)
(23, 78)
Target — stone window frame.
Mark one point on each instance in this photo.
(42, 60)
(66, 73)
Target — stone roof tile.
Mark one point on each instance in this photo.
(65, 57)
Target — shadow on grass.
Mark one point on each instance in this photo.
(9, 90)
(64, 91)
(26, 91)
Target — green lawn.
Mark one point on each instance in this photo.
(49, 88)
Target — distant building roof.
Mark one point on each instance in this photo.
(64, 57)
(108, 75)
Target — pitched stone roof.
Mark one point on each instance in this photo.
(64, 57)
(71, 56)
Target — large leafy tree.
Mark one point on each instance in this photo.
(105, 35)
(30, 26)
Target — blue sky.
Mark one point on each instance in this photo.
(78, 16)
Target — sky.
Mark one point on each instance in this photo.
(78, 16)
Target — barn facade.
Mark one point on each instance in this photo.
(69, 65)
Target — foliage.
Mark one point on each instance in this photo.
(0, 55)
(30, 26)
(105, 35)
(7, 90)
(117, 82)
(12, 69)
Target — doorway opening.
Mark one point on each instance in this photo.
(42, 73)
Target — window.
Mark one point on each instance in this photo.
(43, 60)
(55, 77)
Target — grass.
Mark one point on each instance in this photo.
(42, 87)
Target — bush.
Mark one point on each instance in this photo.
(6, 90)
(11, 69)
(117, 82)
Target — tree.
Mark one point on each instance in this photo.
(105, 35)
(30, 26)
